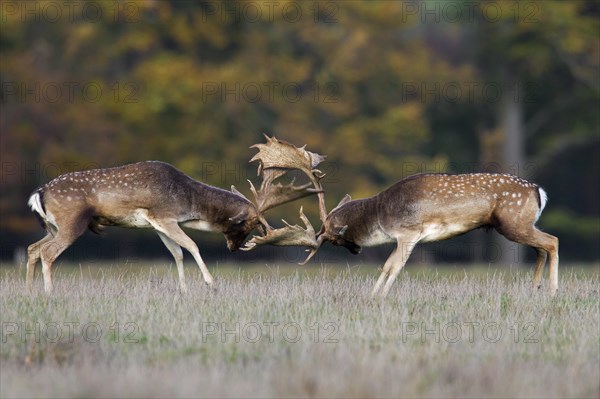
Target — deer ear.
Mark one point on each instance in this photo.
(343, 230)
(237, 192)
(343, 202)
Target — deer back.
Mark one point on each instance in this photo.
(438, 206)
(113, 195)
(443, 205)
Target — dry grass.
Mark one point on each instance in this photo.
(436, 335)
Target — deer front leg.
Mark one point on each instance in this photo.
(171, 229)
(398, 260)
(384, 273)
(178, 256)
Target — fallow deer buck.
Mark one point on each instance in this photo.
(425, 208)
(148, 194)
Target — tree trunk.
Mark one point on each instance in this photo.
(513, 161)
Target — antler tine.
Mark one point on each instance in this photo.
(322, 209)
(286, 236)
(270, 195)
(268, 176)
(313, 251)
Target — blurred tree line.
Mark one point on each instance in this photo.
(384, 88)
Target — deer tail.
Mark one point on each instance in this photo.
(36, 203)
(543, 200)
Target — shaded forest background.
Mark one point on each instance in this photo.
(385, 88)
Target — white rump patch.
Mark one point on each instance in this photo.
(543, 202)
(35, 203)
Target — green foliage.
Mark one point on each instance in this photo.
(570, 223)
(196, 83)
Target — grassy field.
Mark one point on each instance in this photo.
(309, 332)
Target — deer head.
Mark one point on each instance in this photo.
(276, 158)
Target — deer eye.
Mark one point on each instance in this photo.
(341, 230)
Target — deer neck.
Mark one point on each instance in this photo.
(362, 218)
(215, 205)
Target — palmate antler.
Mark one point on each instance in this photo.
(271, 195)
(276, 158)
(288, 235)
(280, 156)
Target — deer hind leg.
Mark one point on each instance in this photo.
(68, 231)
(178, 255)
(171, 229)
(543, 243)
(33, 257)
(540, 262)
(397, 260)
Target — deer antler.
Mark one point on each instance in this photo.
(276, 158)
(288, 235)
(281, 154)
(271, 195)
